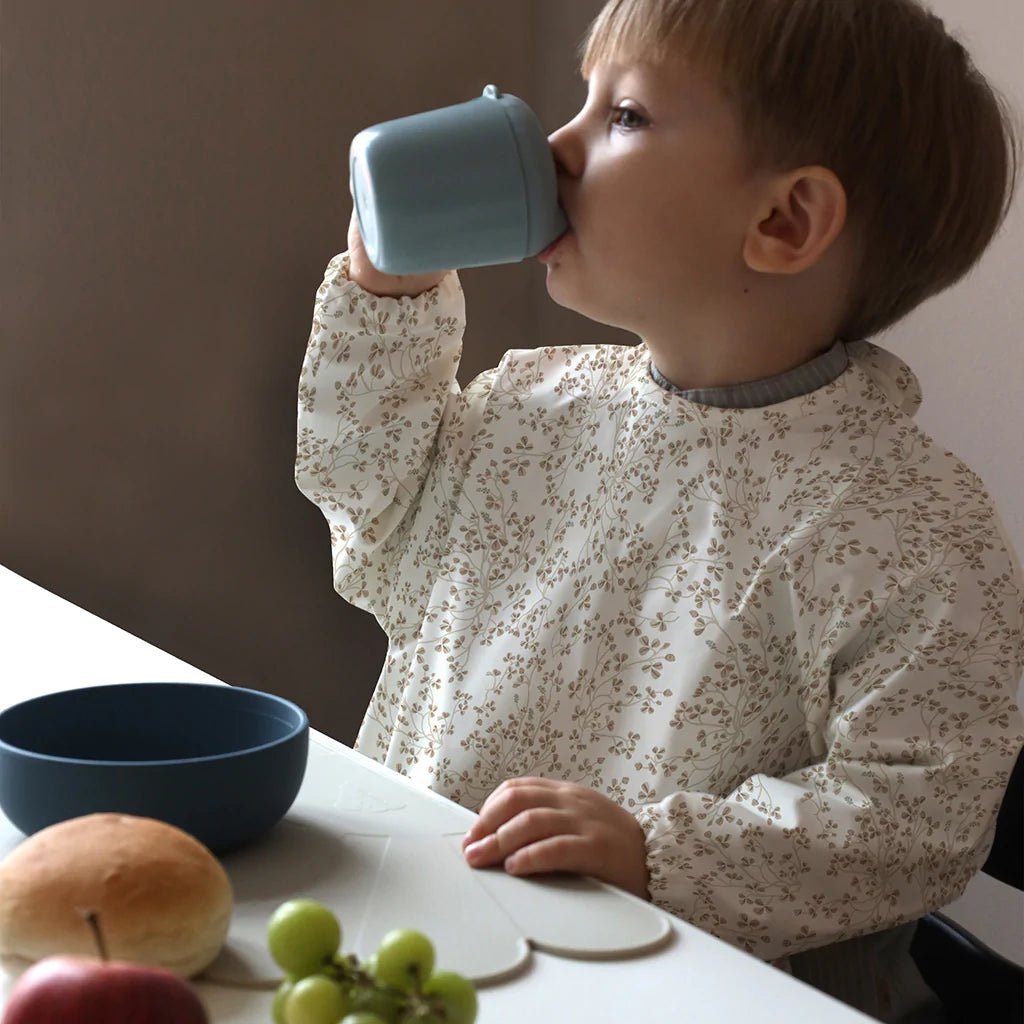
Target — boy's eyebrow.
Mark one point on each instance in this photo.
(617, 72)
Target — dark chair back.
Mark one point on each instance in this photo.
(1006, 858)
(975, 984)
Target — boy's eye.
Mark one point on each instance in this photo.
(638, 119)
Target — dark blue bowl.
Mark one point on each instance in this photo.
(221, 762)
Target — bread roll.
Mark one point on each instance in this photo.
(161, 897)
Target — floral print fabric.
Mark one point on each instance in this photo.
(787, 638)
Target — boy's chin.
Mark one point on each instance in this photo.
(562, 288)
(563, 292)
(564, 296)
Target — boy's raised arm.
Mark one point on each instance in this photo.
(377, 376)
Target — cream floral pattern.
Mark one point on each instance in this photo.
(786, 638)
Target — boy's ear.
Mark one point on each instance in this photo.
(801, 215)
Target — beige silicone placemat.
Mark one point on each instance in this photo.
(384, 854)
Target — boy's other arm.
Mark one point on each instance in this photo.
(919, 731)
(377, 377)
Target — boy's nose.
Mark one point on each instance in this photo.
(555, 138)
(562, 149)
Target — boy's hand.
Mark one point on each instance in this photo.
(538, 825)
(368, 277)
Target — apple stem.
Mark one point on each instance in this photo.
(93, 920)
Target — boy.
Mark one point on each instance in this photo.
(708, 618)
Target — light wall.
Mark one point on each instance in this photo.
(966, 344)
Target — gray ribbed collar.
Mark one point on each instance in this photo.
(755, 394)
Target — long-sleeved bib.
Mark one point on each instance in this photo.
(787, 638)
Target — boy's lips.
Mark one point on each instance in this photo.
(549, 251)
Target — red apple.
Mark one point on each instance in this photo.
(76, 990)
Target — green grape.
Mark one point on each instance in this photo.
(301, 935)
(456, 994)
(315, 1000)
(277, 1007)
(363, 1018)
(405, 959)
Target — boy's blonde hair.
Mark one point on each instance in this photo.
(875, 90)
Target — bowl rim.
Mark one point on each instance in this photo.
(301, 726)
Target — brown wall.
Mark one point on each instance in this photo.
(173, 180)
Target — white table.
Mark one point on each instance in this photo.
(49, 644)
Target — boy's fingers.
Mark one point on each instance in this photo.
(558, 853)
(509, 787)
(528, 827)
(505, 803)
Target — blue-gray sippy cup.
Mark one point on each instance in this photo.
(470, 185)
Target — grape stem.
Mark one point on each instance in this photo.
(347, 969)
(413, 1006)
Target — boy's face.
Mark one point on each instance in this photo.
(659, 201)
